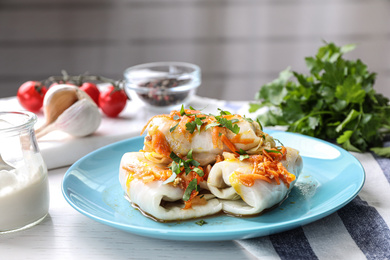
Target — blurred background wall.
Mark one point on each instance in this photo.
(239, 44)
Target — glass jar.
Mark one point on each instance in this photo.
(162, 86)
(24, 187)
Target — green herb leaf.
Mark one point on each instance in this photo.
(351, 116)
(174, 157)
(189, 154)
(194, 163)
(171, 178)
(201, 222)
(244, 156)
(182, 111)
(261, 126)
(222, 112)
(382, 151)
(277, 140)
(191, 126)
(273, 151)
(173, 128)
(199, 123)
(193, 185)
(228, 124)
(187, 168)
(345, 141)
(212, 125)
(250, 120)
(198, 171)
(241, 152)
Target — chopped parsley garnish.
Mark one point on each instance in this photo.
(241, 152)
(173, 128)
(261, 126)
(272, 151)
(194, 163)
(171, 178)
(189, 154)
(244, 156)
(191, 126)
(201, 222)
(174, 157)
(212, 125)
(193, 185)
(223, 112)
(182, 111)
(199, 171)
(228, 124)
(196, 124)
(277, 140)
(187, 168)
(178, 163)
(189, 165)
(175, 167)
(250, 120)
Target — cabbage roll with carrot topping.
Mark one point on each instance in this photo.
(166, 192)
(206, 135)
(249, 184)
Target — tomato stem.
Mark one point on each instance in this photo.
(78, 80)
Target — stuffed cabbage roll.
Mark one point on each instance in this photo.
(206, 135)
(149, 182)
(256, 182)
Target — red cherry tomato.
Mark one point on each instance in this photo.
(30, 95)
(112, 101)
(92, 90)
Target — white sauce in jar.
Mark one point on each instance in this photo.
(24, 194)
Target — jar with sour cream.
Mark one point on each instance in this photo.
(24, 188)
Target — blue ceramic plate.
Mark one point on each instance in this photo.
(330, 179)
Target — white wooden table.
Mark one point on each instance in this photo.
(67, 234)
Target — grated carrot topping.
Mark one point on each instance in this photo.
(269, 167)
(147, 174)
(249, 179)
(238, 139)
(159, 143)
(229, 144)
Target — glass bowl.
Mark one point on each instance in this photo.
(163, 86)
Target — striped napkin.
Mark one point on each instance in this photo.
(359, 230)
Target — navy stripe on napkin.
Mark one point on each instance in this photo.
(292, 244)
(367, 228)
(384, 163)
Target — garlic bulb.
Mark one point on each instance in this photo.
(69, 109)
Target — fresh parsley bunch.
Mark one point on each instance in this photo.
(335, 102)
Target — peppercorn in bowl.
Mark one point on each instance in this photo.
(162, 85)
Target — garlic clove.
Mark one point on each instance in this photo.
(69, 109)
(81, 119)
(57, 99)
